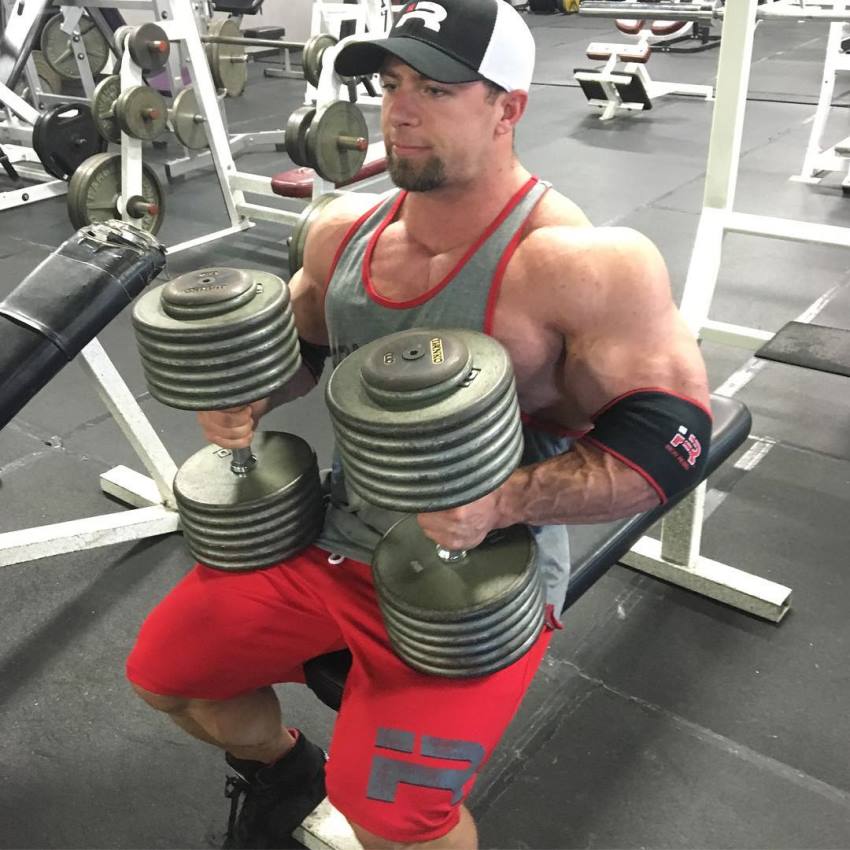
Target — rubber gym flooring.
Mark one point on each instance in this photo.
(659, 719)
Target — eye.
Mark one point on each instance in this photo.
(435, 92)
(388, 85)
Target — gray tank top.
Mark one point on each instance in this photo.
(356, 314)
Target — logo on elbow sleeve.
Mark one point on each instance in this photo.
(685, 447)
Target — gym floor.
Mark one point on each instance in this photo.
(659, 719)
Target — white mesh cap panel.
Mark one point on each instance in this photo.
(509, 60)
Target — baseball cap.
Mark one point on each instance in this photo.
(450, 41)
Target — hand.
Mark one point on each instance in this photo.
(463, 527)
(233, 427)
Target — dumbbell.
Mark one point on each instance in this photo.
(220, 338)
(427, 421)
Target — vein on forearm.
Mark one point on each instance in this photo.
(585, 485)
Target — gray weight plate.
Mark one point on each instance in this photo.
(185, 364)
(311, 58)
(283, 460)
(187, 122)
(349, 402)
(227, 61)
(94, 190)
(141, 113)
(48, 80)
(148, 46)
(460, 484)
(462, 632)
(451, 668)
(331, 139)
(297, 240)
(58, 47)
(106, 92)
(410, 576)
(295, 135)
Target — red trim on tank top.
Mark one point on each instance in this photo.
(496, 284)
(434, 290)
(347, 238)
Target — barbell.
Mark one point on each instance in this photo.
(707, 11)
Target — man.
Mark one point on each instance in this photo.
(615, 399)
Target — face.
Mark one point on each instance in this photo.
(437, 134)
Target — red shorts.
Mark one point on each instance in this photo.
(407, 747)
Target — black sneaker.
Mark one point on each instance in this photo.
(277, 797)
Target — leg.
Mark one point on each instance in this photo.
(408, 746)
(249, 726)
(464, 836)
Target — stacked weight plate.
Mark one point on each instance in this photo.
(428, 421)
(222, 338)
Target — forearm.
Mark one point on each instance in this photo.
(300, 384)
(584, 485)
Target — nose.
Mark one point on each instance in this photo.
(401, 109)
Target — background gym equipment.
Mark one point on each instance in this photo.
(94, 194)
(624, 85)
(62, 51)
(332, 139)
(65, 301)
(220, 338)
(427, 421)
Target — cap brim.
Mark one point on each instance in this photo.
(360, 58)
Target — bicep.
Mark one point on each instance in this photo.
(307, 299)
(634, 339)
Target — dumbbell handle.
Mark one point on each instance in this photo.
(243, 461)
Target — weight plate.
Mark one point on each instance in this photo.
(95, 188)
(331, 140)
(298, 238)
(140, 42)
(106, 92)
(64, 137)
(410, 576)
(141, 113)
(227, 61)
(58, 47)
(283, 462)
(187, 122)
(464, 618)
(295, 135)
(48, 80)
(312, 55)
(216, 361)
(251, 521)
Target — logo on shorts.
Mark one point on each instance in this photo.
(388, 773)
(431, 14)
(686, 442)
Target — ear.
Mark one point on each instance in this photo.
(512, 105)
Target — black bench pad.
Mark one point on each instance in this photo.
(594, 548)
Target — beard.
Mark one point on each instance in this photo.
(424, 177)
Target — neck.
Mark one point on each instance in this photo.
(455, 215)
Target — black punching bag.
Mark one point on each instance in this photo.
(66, 301)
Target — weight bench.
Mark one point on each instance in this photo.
(298, 182)
(624, 85)
(594, 549)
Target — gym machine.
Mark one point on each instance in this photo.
(718, 217)
(819, 161)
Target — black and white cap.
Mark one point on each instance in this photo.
(450, 41)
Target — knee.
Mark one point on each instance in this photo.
(161, 702)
